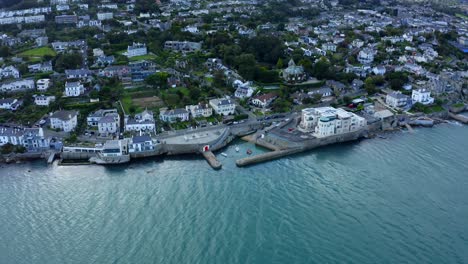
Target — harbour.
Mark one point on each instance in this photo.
(400, 191)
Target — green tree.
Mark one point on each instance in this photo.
(279, 64)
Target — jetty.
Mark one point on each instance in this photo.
(266, 156)
(212, 160)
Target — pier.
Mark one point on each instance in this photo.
(266, 156)
(212, 160)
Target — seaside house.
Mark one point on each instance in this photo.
(143, 121)
(396, 99)
(422, 96)
(64, 120)
(142, 143)
(223, 106)
(199, 110)
(43, 100)
(74, 89)
(173, 115)
(329, 121)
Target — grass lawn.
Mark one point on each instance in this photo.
(126, 103)
(38, 52)
(144, 57)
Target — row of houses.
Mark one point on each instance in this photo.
(221, 106)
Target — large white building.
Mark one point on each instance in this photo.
(366, 56)
(105, 16)
(43, 100)
(223, 106)
(19, 85)
(174, 115)
(64, 120)
(137, 49)
(329, 121)
(422, 96)
(396, 99)
(143, 121)
(43, 84)
(74, 89)
(199, 110)
(32, 139)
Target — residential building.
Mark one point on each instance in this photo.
(32, 139)
(329, 47)
(137, 49)
(93, 119)
(396, 99)
(294, 73)
(264, 100)
(366, 56)
(43, 100)
(422, 96)
(329, 121)
(9, 72)
(105, 16)
(43, 84)
(199, 110)
(66, 19)
(74, 89)
(243, 89)
(223, 106)
(10, 104)
(379, 70)
(142, 143)
(143, 121)
(184, 46)
(173, 115)
(19, 85)
(78, 74)
(64, 120)
(40, 67)
(109, 125)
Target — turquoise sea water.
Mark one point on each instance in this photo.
(403, 199)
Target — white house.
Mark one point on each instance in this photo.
(141, 144)
(137, 49)
(366, 56)
(74, 89)
(396, 99)
(10, 104)
(329, 47)
(143, 121)
(19, 85)
(9, 71)
(31, 138)
(93, 119)
(223, 106)
(64, 120)
(43, 100)
(329, 121)
(43, 84)
(173, 115)
(105, 16)
(379, 70)
(108, 125)
(243, 89)
(199, 110)
(264, 100)
(422, 96)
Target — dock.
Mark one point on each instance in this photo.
(212, 160)
(267, 156)
(51, 158)
(410, 129)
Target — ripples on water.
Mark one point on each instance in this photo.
(396, 200)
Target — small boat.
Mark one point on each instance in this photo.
(249, 151)
(237, 149)
(382, 137)
(224, 154)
